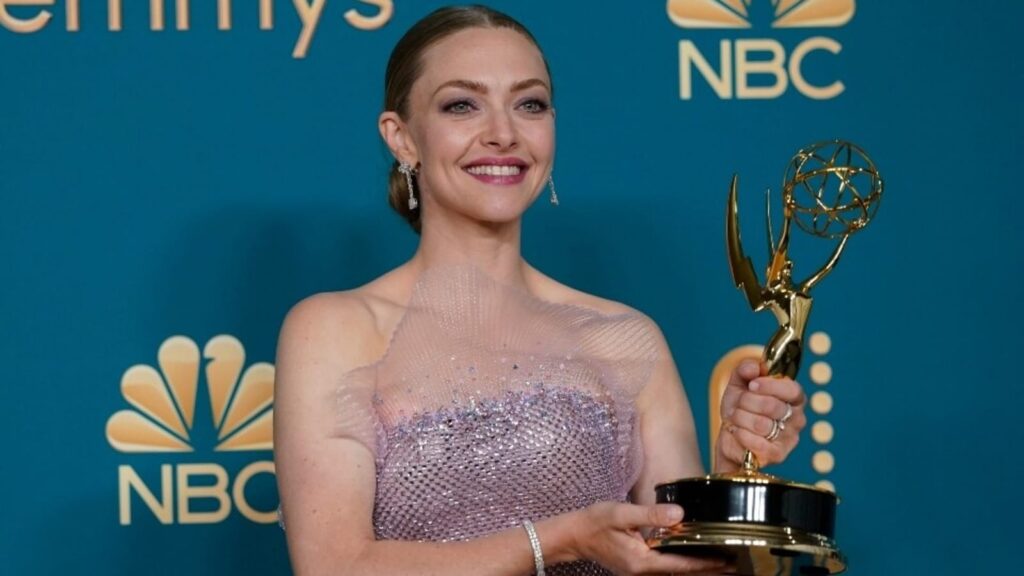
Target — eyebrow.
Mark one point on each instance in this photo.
(481, 88)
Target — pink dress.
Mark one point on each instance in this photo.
(492, 407)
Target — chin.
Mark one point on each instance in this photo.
(500, 219)
(503, 212)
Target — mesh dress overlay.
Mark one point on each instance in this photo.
(491, 407)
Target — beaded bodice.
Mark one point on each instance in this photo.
(492, 407)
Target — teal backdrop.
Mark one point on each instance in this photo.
(198, 182)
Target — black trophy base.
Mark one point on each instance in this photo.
(762, 525)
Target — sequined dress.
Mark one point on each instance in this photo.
(491, 407)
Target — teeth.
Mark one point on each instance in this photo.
(494, 170)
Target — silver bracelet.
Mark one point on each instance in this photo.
(538, 558)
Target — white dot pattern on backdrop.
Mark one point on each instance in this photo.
(820, 343)
(821, 402)
(821, 373)
(823, 461)
(822, 432)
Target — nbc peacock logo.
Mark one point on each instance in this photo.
(737, 13)
(163, 418)
(758, 68)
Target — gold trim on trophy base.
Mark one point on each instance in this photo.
(755, 476)
(754, 549)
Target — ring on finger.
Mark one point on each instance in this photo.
(777, 428)
(789, 414)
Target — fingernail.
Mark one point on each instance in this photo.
(748, 365)
(755, 385)
(675, 514)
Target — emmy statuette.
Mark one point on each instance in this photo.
(763, 524)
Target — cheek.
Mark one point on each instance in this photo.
(444, 147)
(542, 138)
(440, 155)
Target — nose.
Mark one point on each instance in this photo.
(501, 131)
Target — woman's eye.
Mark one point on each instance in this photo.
(459, 107)
(535, 106)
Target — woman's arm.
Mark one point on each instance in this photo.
(667, 430)
(327, 481)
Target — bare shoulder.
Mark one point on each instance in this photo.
(603, 305)
(555, 291)
(347, 328)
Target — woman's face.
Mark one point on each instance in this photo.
(482, 125)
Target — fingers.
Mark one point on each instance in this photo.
(729, 446)
(615, 543)
(658, 563)
(775, 398)
(753, 415)
(758, 413)
(767, 452)
(757, 423)
(746, 371)
(783, 389)
(644, 560)
(657, 516)
(771, 408)
(623, 516)
(768, 406)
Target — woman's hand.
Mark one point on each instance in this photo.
(609, 533)
(761, 414)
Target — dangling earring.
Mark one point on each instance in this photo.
(554, 195)
(408, 170)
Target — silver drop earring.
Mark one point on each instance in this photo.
(408, 170)
(554, 195)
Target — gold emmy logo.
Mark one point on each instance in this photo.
(161, 420)
(787, 13)
(765, 59)
(31, 16)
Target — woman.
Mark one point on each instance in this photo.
(464, 413)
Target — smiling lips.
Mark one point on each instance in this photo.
(498, 170)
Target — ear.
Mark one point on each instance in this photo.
(396, 135)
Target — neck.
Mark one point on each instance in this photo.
(492, 248)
